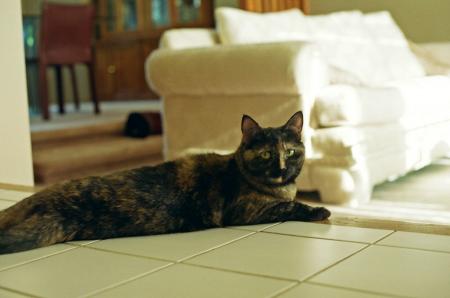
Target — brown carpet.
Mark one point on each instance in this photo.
(92, 149)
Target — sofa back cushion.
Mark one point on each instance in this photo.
(236, 26)
(370, 49)
(393, 46)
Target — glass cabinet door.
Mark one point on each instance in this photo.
(160, 13)
(188, 11)
(121, 15)
(30, 41)
(111, 14)
(140, 17)
(129, 15)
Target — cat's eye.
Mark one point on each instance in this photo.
(290, 152)
(265, 154)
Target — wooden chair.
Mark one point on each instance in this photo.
(65, 39)
(274, 5)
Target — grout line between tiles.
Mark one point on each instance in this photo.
(240, 272)
(337, 262)
(284, 290)
(81, 245)
(242, 228)
(19, 292)
(171, 264)
(274, 224)
(384, 237)
(356, 290)
(38, 258)
(159, 259)
(414, 248)
(127, 254)
(216, 247)
(311, 237)
(125, 281)
(168, 260)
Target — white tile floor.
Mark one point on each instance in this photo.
(292, 259)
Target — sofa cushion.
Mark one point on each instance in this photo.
(398, 58)
(344, 105)
(237, 26)
(352, 143)
(347, 146)
(413, 103)
(370, 48)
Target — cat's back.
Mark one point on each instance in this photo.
(169, 178)
(202, 168)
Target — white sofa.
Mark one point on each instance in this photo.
(360, 130)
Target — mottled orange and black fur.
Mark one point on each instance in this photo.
(256, 184)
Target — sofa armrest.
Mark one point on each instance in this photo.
(273, 68)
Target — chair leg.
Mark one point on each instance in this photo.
(93, 89)
(76, 97)
(59, 89)
(43, 92)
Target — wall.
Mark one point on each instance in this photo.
(420, 20)
(15, 146)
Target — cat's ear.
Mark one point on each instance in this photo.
(248, 127)
(295, 123)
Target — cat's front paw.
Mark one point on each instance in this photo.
(319, 213)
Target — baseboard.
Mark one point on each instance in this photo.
(17, 187)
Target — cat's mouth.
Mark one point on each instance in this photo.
(278, 177)
(276, 180)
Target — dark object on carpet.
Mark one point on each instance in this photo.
(143, 124)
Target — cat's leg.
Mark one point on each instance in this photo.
(284, 211)
(295, 211)
(279, 211)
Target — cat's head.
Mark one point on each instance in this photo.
(272, 156)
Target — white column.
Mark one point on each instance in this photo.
(15, 146)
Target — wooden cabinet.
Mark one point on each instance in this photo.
(120, 70)
(129, 30)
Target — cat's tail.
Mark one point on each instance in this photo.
(27, 225)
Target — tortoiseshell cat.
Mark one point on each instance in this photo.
(254, 185)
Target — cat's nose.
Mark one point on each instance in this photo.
(282, 163)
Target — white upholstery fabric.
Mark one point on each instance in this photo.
(188, 38)
(237, 26)
(256, 69)
(338, 105)
(374, 155)
(355, 141)
(378, 49)
(412, 103)
(426, 100)
(392, 45)
(346, 146)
